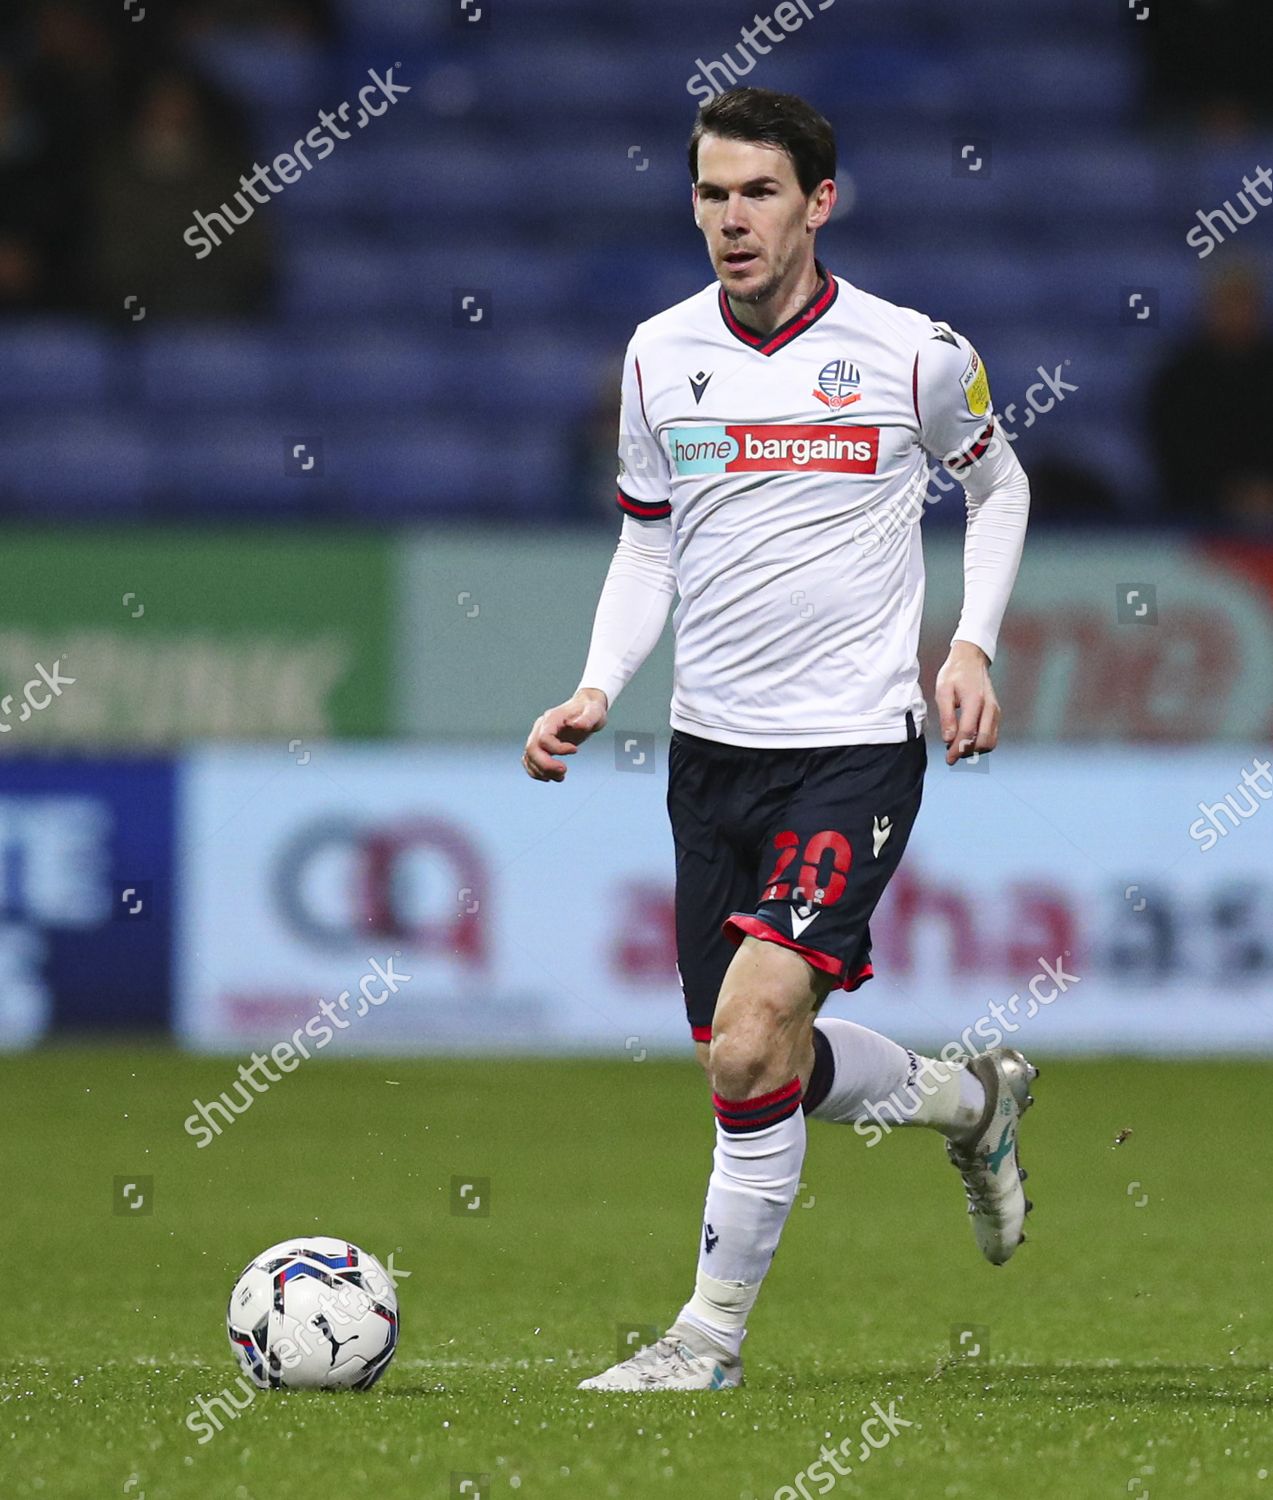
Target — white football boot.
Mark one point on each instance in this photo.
(987, 1160)
(682, 1360)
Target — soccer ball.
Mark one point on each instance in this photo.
(313, 1313)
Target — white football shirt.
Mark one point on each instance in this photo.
(791, 471)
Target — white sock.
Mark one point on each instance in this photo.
(755, 1174)
(876, 1079)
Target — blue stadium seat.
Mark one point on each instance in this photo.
(345, 276)
(405, 21)
(334, 190)
(275, 66)
(55, 359)
(1082, 83)
(369, 370)
(623, 285)
(234, 466)
(527, 77)
(440, 178)
(453, 470)
(962, 282)
(532, 286)
(903, 188)
(1204, 175)
(1091, 291)
(1095, 179)
(624, 184)
(574, 377)
(199, 367)
(68, 462)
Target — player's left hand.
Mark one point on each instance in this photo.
(967, 704)
(560, 731)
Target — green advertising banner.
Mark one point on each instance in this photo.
(153, 638)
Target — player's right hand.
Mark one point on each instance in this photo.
(560, 731)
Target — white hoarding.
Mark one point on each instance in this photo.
(538, 918)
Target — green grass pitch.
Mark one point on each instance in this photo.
(1125, 1351)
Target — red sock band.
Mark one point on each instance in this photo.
(741, 1116)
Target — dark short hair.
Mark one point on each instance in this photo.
(770, 119)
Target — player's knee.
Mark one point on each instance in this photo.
(749, 1047)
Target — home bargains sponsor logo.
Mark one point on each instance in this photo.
(784, 447)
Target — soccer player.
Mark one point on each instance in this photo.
(773, 435)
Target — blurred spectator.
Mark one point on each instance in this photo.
(1065, 492)
(73, 77)
(594, 454)
(21, 274)
(66, 101)
(108, 146)
(304, 17)
(28, 221)
(1209, 60)
(183, 151)
(1208, 412)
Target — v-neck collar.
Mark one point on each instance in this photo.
(824, 295)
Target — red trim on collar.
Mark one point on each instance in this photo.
(828, 290)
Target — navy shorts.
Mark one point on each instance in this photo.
(792, 846)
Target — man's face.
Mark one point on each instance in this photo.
(756, 220)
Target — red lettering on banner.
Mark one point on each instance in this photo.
(261, 1011)
(644, 951)
(1005, 934)
(1075, 673)
(914, 901)
(1042, 922)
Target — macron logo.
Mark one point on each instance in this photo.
(880, 832)
(799, 923)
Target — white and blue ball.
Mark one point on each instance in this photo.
(311, 1314)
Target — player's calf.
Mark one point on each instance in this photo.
(861, 1078)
